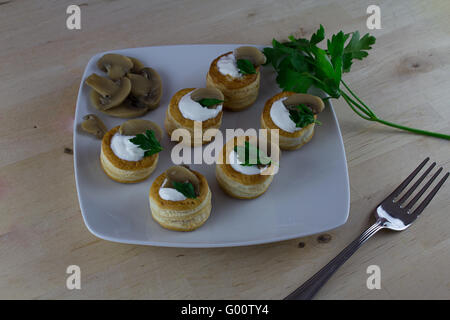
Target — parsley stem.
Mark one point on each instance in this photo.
(357, 98)
(414, 130)
(347, 99)
(355, 104)
(371, 117)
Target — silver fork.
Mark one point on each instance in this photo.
(392, 213)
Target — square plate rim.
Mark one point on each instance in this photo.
(196, 244)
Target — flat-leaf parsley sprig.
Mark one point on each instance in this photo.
(302, 115)
(245, 66)
(301, 64)
(147, 142)
(186, 188)
(209, 102)
(250, 155)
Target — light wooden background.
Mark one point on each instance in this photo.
(406, 80)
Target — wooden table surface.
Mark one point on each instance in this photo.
(405, 79)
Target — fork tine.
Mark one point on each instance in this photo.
(403, 185)
(422, 191)
(427, 200)
(416, 184)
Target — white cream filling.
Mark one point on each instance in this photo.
(227, 66)
(280, 116)
(124, 149)
(247, 170)
(193, 110)
(170, 193)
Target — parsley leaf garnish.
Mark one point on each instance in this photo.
(250, 155)
(245, 66)
(302, 116)
(147, 142)
(208, 102)
(186, 188)
(300, 64)
(357, 49)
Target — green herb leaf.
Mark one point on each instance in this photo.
(147, 142)
(186, 188)
(300, 64)
(250, 155)
(290, 80)
(245, 66)
(208, 102)
(318, 36)
(302, 116)
(357, 49)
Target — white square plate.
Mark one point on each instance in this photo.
(310, 193)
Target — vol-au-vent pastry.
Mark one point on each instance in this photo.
(246, 166)
(237, 75)
(180, 199)
(129, 152)
(295, 115)
(188, 106)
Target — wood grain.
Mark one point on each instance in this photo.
(405, 79)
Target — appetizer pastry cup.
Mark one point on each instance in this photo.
(175, 120)
(125, 171)
(295, 139)
(245, 186)
(240, 92)
(183, 215)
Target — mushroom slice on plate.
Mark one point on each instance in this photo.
(146, 88)
(250, 53)
(182, 174)
(137, 65)
(207, 93)
(108, 94)
(313, 102)
(93, 125)
(137, 126)
(116, 65)
(127, 109)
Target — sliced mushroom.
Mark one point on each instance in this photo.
(93, 125)
(137, 126)
(126, 110)
(116, 65)
(250, 53)
(183, 175)
(108, 94)
(146, 88)
(137, 65)
(315, 103)
(207, 93)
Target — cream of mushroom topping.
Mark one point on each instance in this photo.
(124, 149)
(193, 110)
(281, 117)
(227, 66)
(170, 193)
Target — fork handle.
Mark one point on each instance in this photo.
(309, 289)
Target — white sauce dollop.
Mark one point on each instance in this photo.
(170, 193)
(247, 170)
(280, 116)
(227, 66)
(124, 149)
(193, 110)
